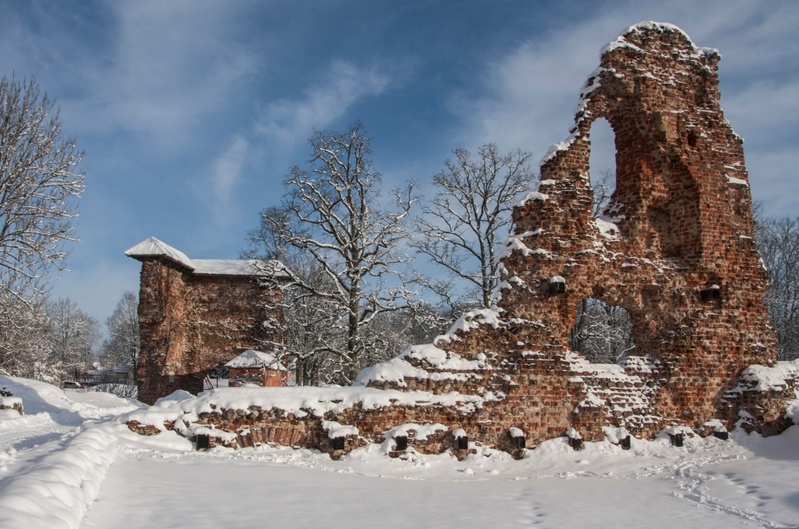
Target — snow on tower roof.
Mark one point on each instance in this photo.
(240, 267)
(152, 247)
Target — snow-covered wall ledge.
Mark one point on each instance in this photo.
(422, 362)
(333, 420)
(767, 398)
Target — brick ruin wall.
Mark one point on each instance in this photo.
(675, 249)
(679, 254)
(191, 323)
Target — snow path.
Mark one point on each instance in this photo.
(599, 487)
(53, 459)
(56, 491)
(28, 444)
(204, 492)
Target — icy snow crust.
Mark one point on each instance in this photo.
(95, 473)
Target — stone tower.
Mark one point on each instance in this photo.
(196, 314)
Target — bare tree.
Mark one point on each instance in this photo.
(25, 340)
(73, 336)
(332, 214)
(603, 189)
(462, 225)
(122, 344)
(38, 188)
(315, 324)
(602, 333)
(778, 242)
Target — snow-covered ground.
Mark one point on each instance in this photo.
(70, 462)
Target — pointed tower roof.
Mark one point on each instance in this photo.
(152, 247)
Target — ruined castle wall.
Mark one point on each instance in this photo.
(675, 249)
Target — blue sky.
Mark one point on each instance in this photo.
(192, 112)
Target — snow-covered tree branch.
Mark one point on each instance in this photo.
(467, 219)
(332, 214)
(778, 242)
(38, 188)
(122, 344)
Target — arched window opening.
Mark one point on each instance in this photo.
(602, 165)
(602, 333)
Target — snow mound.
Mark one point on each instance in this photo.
(444, 366)
(57, 491)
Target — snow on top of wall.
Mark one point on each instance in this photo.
(555, 148)
(335, 430)
(661, 27)
(398, 369)
(607, 227)
(792, 410)
(715, 424)
(762, 378)
(473, 319)
(152, 247)
(256, 359)
(421, 431)
(514, 243)
(515, 432)
(615, 435)
(239, 267)
(10, 402)
(737, 181)
(301, 401)
(533, 195)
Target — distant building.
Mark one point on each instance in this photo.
(124, 372)
(197, 314)
(257, 368)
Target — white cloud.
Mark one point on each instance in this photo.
(343, 84)
(225, 174)
(530, 93)
(171, 64)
